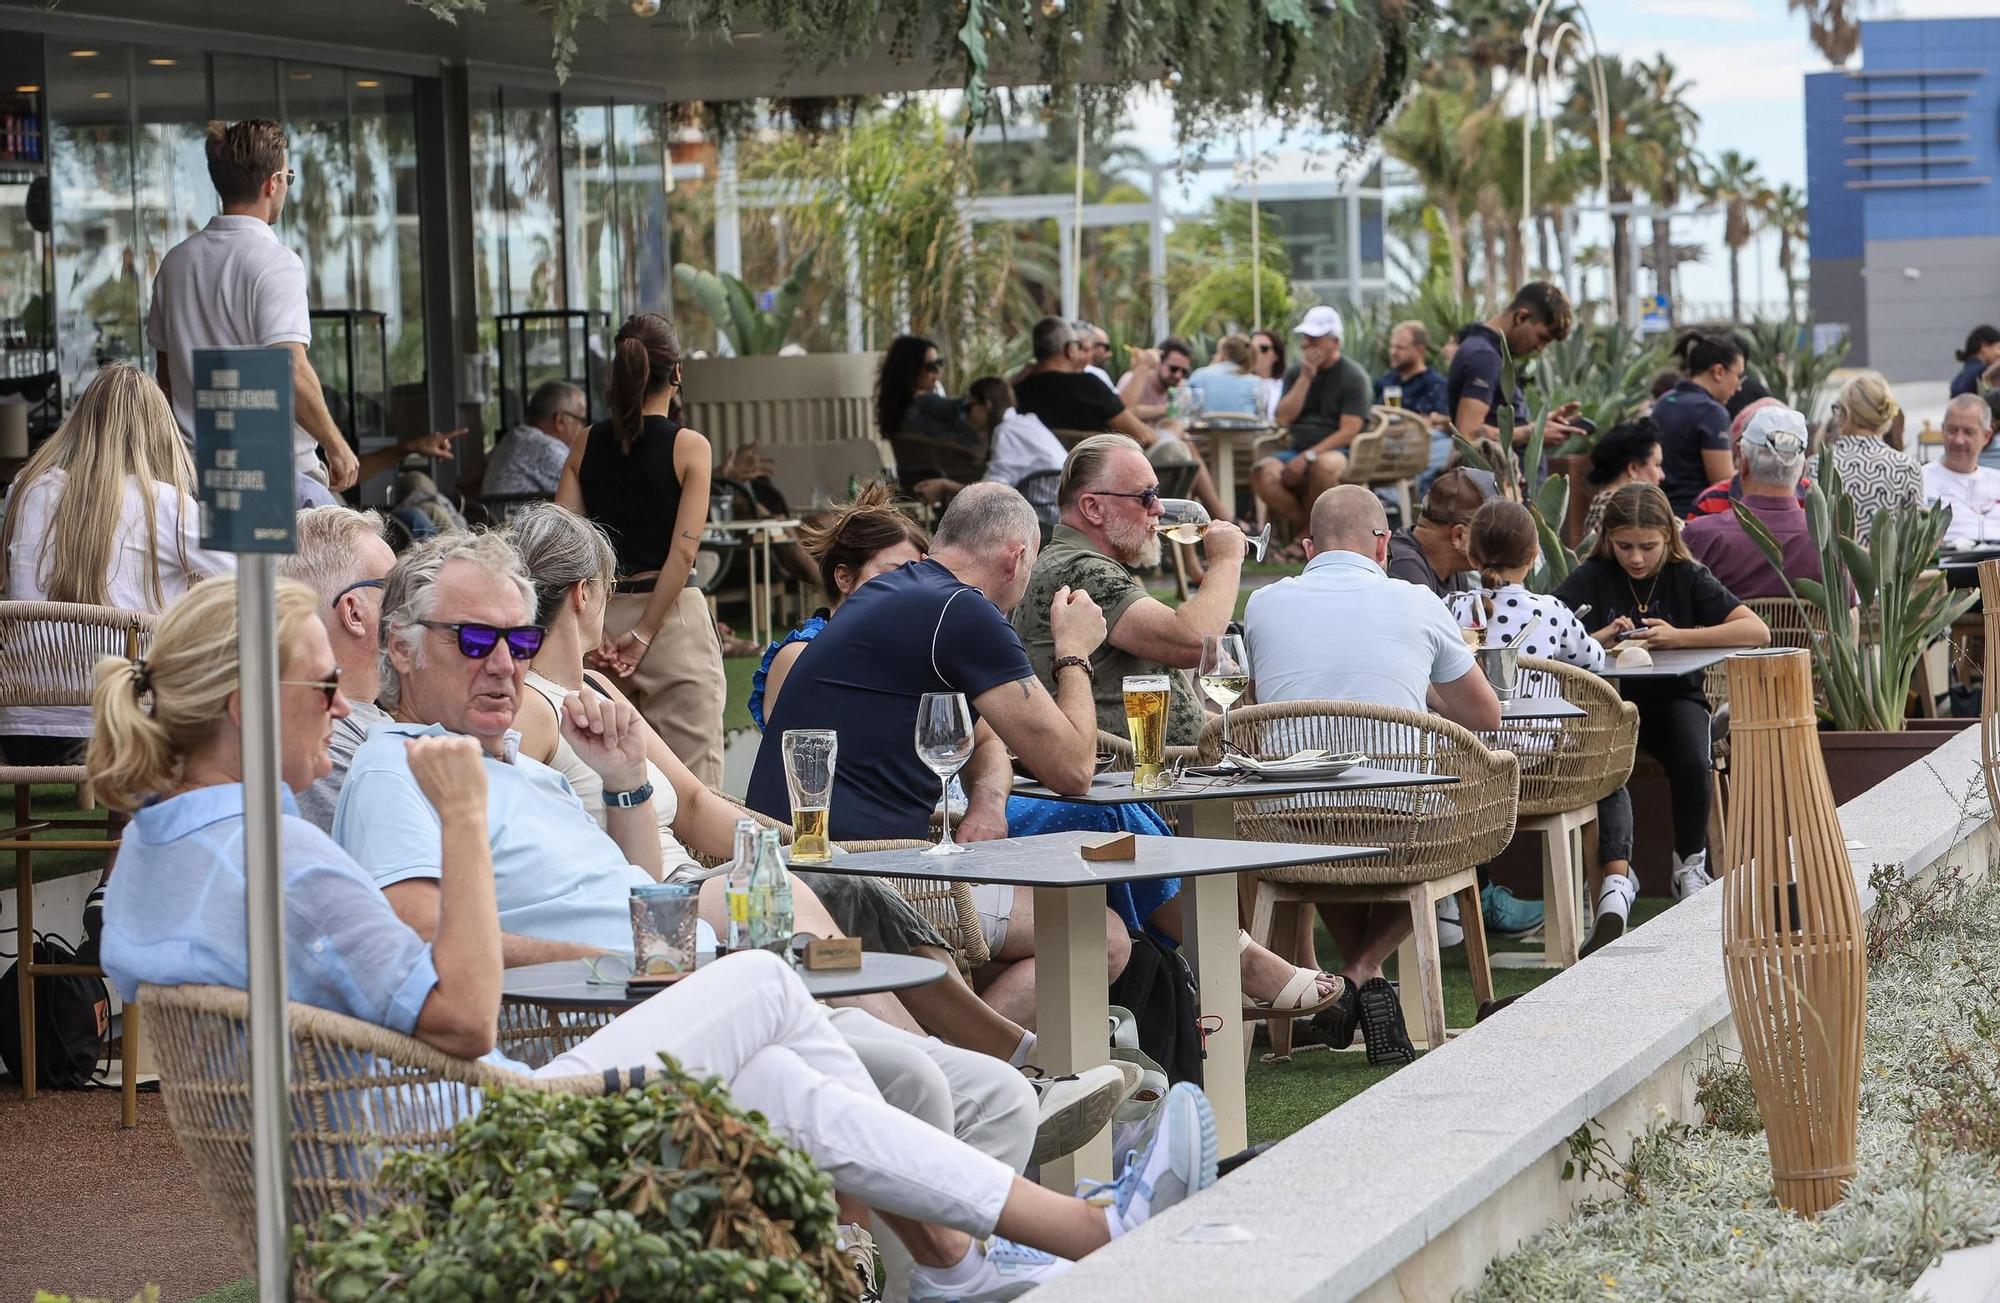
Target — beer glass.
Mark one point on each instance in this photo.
(809, 759)
(944, 744)
(1146, 697)
(1392, 395)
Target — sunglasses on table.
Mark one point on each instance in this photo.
(1145, 497)
(330, 685)
(477, 641)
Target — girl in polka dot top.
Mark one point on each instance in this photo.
(1504, 546)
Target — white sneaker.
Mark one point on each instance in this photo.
(1005, 1270)
(1450, 933)
(1690, 875)
(1614, 909)
(1074, 1108)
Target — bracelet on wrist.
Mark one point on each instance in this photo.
(1078, 661)
(644, 641)
(628, 800)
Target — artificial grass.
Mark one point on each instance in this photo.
(57, 801)
(736, 673)
(1283, 1097)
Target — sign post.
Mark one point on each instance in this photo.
(243, 460)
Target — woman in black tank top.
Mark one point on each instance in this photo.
(644, 477)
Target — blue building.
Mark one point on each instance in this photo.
(1903, 186)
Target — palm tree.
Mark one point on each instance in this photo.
(1627, 105)
(1735, 183)
(1426, 138)
(1668, 127)
(1785, 213)
(1835, 25)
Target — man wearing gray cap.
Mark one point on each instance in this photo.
(1770, 458)
(1326, 401)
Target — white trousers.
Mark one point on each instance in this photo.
(749, 1020)
(984, 1101)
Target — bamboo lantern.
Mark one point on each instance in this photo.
(1989, 692)
(1794, 951)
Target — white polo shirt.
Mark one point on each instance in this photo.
(229, 285)
(1345, 631)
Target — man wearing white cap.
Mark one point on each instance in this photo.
(1326, 401)
(1770, 458)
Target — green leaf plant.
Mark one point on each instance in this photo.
(732, 306)
(1881, 607)
(1515, 476)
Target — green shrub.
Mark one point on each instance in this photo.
(670, 1192)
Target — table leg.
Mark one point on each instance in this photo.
(1071, 1031)
(1223, 447)
(770, 584)
(1210, 945)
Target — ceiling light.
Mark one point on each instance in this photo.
(163, 63)
(302, 76)
(367, 83)
(83, 54)
(100, 94)
(29, 89)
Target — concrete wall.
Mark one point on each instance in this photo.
(1839, 294)
(1915, 323)
(1407, 1191)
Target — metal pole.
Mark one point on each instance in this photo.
(1073, 284)
(1156, 256)
(1257, 240)
(264, 909)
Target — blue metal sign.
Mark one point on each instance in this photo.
(243, 448)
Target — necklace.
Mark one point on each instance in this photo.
(1646, 604)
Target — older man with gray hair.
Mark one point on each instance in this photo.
(529, 460)
(1970, 488)
(340, 554)
(1770, 459)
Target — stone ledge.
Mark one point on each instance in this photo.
(1340, 1206)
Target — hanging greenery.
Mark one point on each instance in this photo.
(1340, 66)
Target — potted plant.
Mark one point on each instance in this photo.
(1880, 610)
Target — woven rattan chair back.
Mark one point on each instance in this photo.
(1427, 832)
(1792, 623)
(49, 650)
(1119, 748)
(1567, 764)
(357, 1091)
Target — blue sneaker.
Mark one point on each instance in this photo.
(1006, 1270)
(1177, 1162)
(1508, 915)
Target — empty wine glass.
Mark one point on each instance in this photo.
(944, 744)
(1186, 521)
(1224, 674)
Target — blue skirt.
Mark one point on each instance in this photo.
(1134, 902)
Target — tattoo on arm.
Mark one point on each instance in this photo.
(1027, 689)
(692, 538)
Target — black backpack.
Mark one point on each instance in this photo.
(1158, 987)
(72, 1022)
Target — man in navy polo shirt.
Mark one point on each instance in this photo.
(1538, 316)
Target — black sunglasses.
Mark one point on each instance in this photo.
(934, 364)
(1146, 497)
(330, 685)
(356, 585)
(477, 641)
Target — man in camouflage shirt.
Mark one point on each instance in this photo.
(1109, 501)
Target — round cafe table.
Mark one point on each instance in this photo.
(567, 983)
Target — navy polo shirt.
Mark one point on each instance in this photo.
(1689, 422)
(1423, 393)
(914, 630)
(1475, 374)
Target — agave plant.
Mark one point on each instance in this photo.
(1606, 369)
(733, 308)
(1515, 475)
(1869, 652)
(1782, 354)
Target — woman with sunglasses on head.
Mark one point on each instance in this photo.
(644, 477)
(167, 748)
(1643, 586)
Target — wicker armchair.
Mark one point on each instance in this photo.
(1567, 767)
(1391, 454)
(357, 1089)
(1434, 837)
(48, 657)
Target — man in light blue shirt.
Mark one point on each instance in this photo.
(456, 640)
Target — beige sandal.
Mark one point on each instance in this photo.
(1295, 998)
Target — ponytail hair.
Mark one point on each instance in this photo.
(1502, 537)
(152, 713)
(647, 359)
(1700, 351)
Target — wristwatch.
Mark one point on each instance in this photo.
(1077, 661)
(1310, 455)
(627, 800)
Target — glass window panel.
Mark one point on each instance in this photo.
(532, 168)
(170, 155)
(644, 269)
(316, 218)
(489, 233)
(1371, 238)
(387, 276)
(245, 87)
(97, 273)
(589, 219)
(691, 224)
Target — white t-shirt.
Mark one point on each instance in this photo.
(176, 541)
(1345, 631)
(1967, 496)
(1022, 445)
(229, 285)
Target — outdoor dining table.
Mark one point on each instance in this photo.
(1961, 568)
(1222, 438)
(568, 983)
(1524, 708)
(1071, 1000)
(763, 626)
(1671, 663)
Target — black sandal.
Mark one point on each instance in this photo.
(1382, 1026)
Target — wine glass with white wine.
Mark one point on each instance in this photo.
(1224, 674)
(1186, 520)
(944, 744)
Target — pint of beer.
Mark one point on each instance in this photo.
(1146, 697)
(810, 755)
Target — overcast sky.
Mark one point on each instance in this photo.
(1745, 60)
